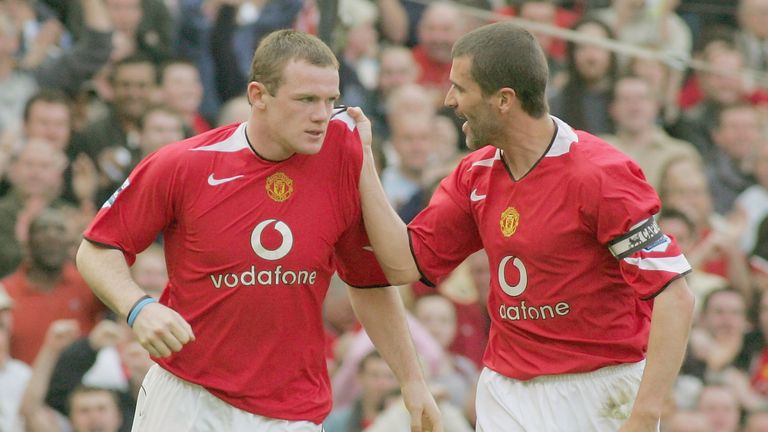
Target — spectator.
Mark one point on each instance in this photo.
(48, 116)
(736, 135)
(14, 374)
(636, 23)
(752, 37)
(376, 381)
(107, 358)
(720, 87)
(397, 68)
(238, 28)
(719, 404)
(458, 373)
(142, 27)
(718, 339)
(15, 85)
(159, 126)
(411, 140)
(236, 110)
(47, 287)
(634, 111)
(441, 25)
(751, 206)
(90, 408)
(684, 186)
(591, 73)
(182, 91)
(149, 271)
(36, 176)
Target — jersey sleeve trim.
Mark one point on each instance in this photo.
(423, 278)
(645, 234)
(676, 277)
(104, 245)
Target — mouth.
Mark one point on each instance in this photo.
(314, 133)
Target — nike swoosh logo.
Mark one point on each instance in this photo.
(215, 182)
(475, 197)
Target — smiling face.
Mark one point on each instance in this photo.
(466, 98)
(296, 116)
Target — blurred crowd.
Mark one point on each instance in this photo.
(90, 87)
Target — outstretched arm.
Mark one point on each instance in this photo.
(670, 325)
(386, 231)
(381, 312)
(159, 329)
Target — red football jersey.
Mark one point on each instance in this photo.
(250, 246)
(574, 252)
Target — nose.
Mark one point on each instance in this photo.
(450, 100)
(321, 111)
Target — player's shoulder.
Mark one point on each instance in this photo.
(589, 158)
(480, 159)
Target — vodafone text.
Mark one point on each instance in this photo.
(252, 277)
(524, 311)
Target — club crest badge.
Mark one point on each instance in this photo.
(279, 187)
(509, 220)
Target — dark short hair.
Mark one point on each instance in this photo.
(282, 46)
(84, 389)
(506, 55)
(133, 60)
(51, 96)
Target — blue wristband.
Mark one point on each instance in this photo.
(137, 308)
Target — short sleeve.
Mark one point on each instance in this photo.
(625, 223)
(355, 262)
(445, 232)
(140, 209)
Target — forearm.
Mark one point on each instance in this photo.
(386, 231)
(96, 16)
(670, 326)
(107, 273)
(382, 314)
(32, 403)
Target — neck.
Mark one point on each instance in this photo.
(262, 142)
(525, 143)
(42, 278)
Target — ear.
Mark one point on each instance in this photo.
(507, 99)
(256, 93)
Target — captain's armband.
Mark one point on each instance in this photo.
(643, 235)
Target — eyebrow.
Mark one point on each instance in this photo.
(453, 83)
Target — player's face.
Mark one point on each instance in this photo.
(467, 99)
(299, 111)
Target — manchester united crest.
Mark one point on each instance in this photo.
(279, 187)
(509, 220)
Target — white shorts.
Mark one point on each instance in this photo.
(598, 401)
(168, 403)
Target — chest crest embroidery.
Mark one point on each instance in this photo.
(509, 220)
(279, 187)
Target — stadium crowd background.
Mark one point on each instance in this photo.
(89, 87)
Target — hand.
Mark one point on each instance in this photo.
(106, 333)
(161, 330)
(425, 416)
(363, 126)
(61, 333)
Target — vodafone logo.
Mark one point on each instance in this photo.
(272, 254)
(518, 288)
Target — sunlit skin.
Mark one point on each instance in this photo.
(295, 118)
(466, 98)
